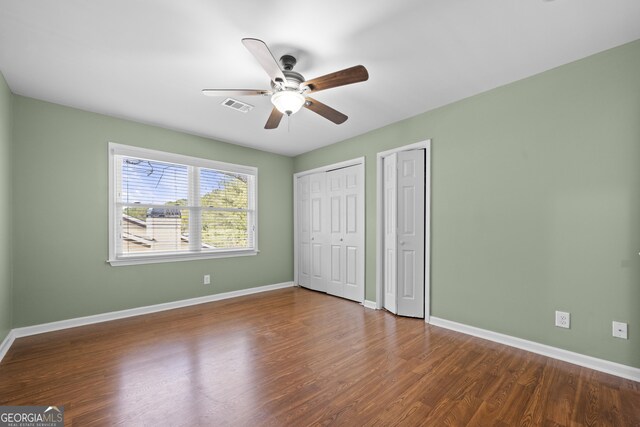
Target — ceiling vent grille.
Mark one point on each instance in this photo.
(234, 104)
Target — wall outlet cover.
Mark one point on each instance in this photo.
(207, 279)
(563, 319)
(620, 330)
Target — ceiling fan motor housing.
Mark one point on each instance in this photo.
(294, 79)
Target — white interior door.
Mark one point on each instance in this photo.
(335, 200)
(304, 232)
(345, 199)
(410, 230)
(318, 231)
(390, 236)
(354, 232)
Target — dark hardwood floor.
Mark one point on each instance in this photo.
(296, 357)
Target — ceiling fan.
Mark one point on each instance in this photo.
(289, 89)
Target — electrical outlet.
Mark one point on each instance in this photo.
(620, 330)
(563, 319)
(207, 279)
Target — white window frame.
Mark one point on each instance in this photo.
(191, 162)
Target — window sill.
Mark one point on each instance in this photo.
(178, 257)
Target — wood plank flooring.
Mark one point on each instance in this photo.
(296, 357)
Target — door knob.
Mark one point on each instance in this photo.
(341, 239)
(313, 238)
(401, 242)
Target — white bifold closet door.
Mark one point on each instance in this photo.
(304, 232)
(404, 211)
(319, 231)
(346, 230)
(335, 220)
(390, 232)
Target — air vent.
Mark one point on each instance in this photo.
(234, 104)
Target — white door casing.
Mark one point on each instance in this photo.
(410, 234)
(390, 236)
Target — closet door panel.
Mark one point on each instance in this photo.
(304, 232)
(319, 251)
(335, 194)
(353, 234)
(410, 295)
(390, 233)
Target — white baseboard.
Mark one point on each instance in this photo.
(105, 317)
(370, 304)
(613, 368)
(6, 344)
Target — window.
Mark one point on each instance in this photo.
(169, 207)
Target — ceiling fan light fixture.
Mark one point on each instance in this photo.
(288, 101)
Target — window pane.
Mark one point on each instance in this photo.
(225, 230)
(223, 189)
(151, 182)
(154, 230)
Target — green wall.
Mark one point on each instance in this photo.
(60, 206)
(6, 190)
(535, 204)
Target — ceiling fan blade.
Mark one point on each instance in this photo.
(339, 78)
(325, 111)
(261, 52)
(274, 119)
(234, 92)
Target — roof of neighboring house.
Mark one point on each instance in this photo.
(164, 213)
(134, 220)
(141, 240)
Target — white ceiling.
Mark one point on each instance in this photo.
(147, 60)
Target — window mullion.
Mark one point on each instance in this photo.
(195, 211)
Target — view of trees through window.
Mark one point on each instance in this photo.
(226, 228)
